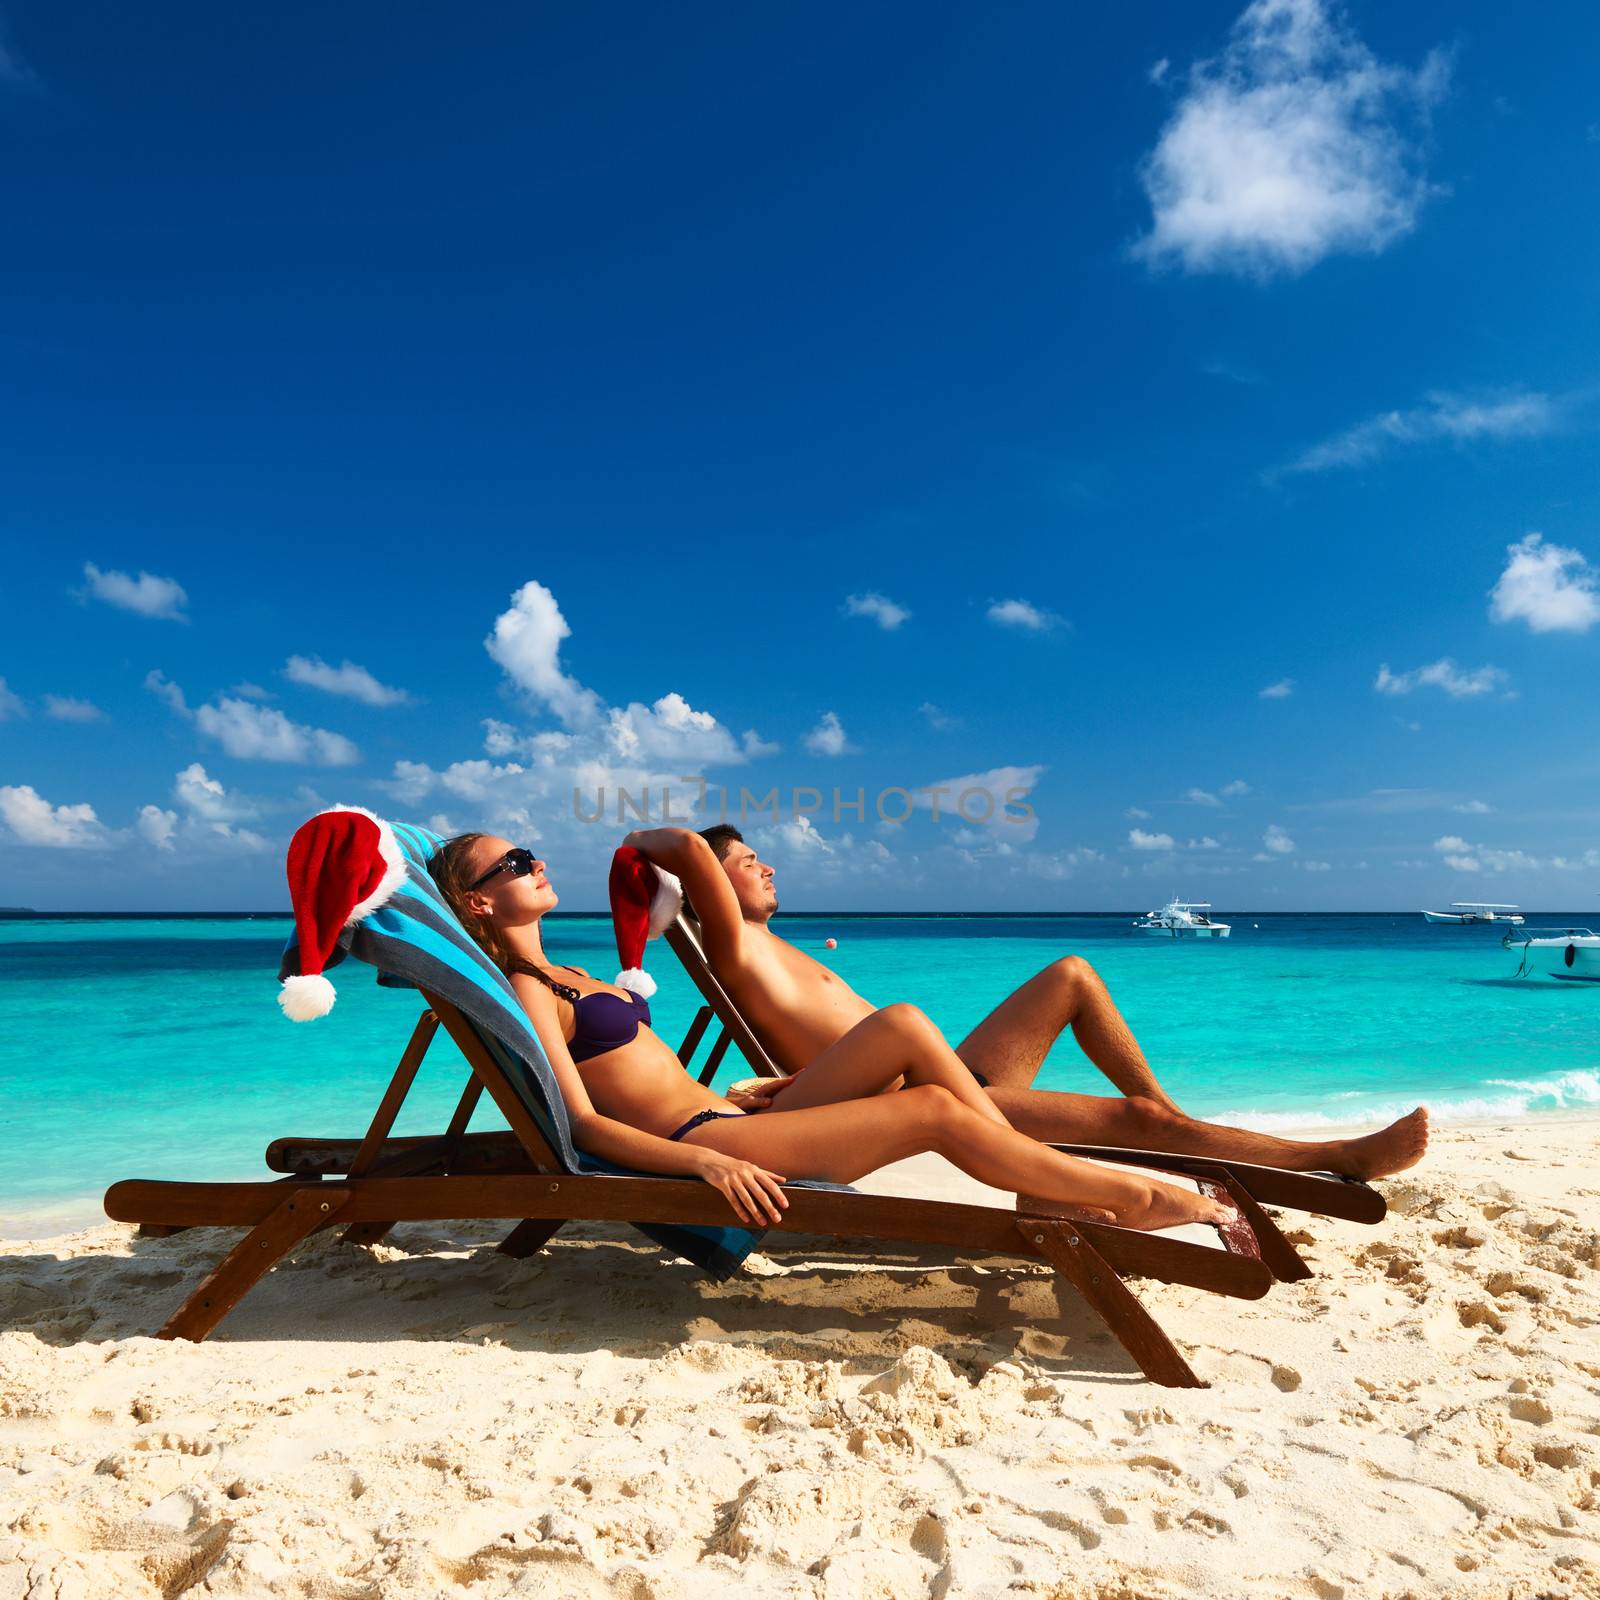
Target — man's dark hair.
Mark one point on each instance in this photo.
(720, 837)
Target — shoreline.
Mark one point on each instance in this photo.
(426, 1418)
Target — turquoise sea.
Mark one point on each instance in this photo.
(153, 1047)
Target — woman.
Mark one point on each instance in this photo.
(629, 1100)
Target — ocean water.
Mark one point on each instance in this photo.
(155, 1047)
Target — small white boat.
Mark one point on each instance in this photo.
(1571, 954)
(1183, 919)
(1476, 911)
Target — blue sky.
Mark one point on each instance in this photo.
(1176, 390)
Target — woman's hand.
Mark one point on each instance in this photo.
(760, 1096)
(755, 1194)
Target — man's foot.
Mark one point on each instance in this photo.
(1389, 1150)
(1169, 1206)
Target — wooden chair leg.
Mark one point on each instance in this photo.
(691, 1040)
(1281, 1258)
(370, 1150)
(364, 1232)
(528, 1237)
(301, 1213)
(714, 1060)
(1071, 1254)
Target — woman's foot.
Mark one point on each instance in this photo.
(1168, 1206)
(1389, 1150)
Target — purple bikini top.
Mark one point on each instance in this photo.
(603, 1022)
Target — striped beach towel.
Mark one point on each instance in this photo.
(416, 942)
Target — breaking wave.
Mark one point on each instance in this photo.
(1565, 1091)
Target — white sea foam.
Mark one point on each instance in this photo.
(1562, 1092)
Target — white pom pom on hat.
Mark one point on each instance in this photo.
(343, 864)
(307, 996)
(644, 902)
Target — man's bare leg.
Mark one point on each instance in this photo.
(1010, 1044)
(1057, 1118)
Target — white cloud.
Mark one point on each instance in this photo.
(1293, 144)
(1205, 842)
(1444, 416)
(10, 704)
(887, 613)
(347, 679)
(667, 733)
(160, 685)
(1158, 70)
(1138, 839)
(1462, 856)
(1201, 797)
(1229, 373)
(412, 781)
(937, 718)
(66, 709)
(1237, 787)
(203, 796)
(33, 820)
(1276, 842)
(1054, 865)
(1281, 690)
(800, 843)
(1442, 674)
(544, 748)
(980, 799)
(1022, 614)
(1550, 587)
(147, 594)
(250, 732)
(500, 738)
(671, 732)
(526, 642)
(798, 836)
(250, 691)
(157, 827)
(828, 737)
(1395, 802)
(1317, 866)
(1137, 814)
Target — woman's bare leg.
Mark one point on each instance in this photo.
(843, 1142)
(896, 1042)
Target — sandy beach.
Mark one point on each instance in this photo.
(426, 1417)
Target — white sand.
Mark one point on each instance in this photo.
(428, 1418)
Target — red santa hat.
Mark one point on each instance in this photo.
(343, 864)
(644, 902)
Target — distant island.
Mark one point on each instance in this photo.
(17, 911)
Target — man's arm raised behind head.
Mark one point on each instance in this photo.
(689, 858)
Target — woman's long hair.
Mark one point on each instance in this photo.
(450, 870)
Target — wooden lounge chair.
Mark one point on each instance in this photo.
(533, 1176)
(1327, 1194)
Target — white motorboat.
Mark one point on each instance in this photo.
(1571, 954)
(1183, 919)
(1476, 911)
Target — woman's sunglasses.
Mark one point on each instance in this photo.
(517, 861)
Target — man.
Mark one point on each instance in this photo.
(798, 1008)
